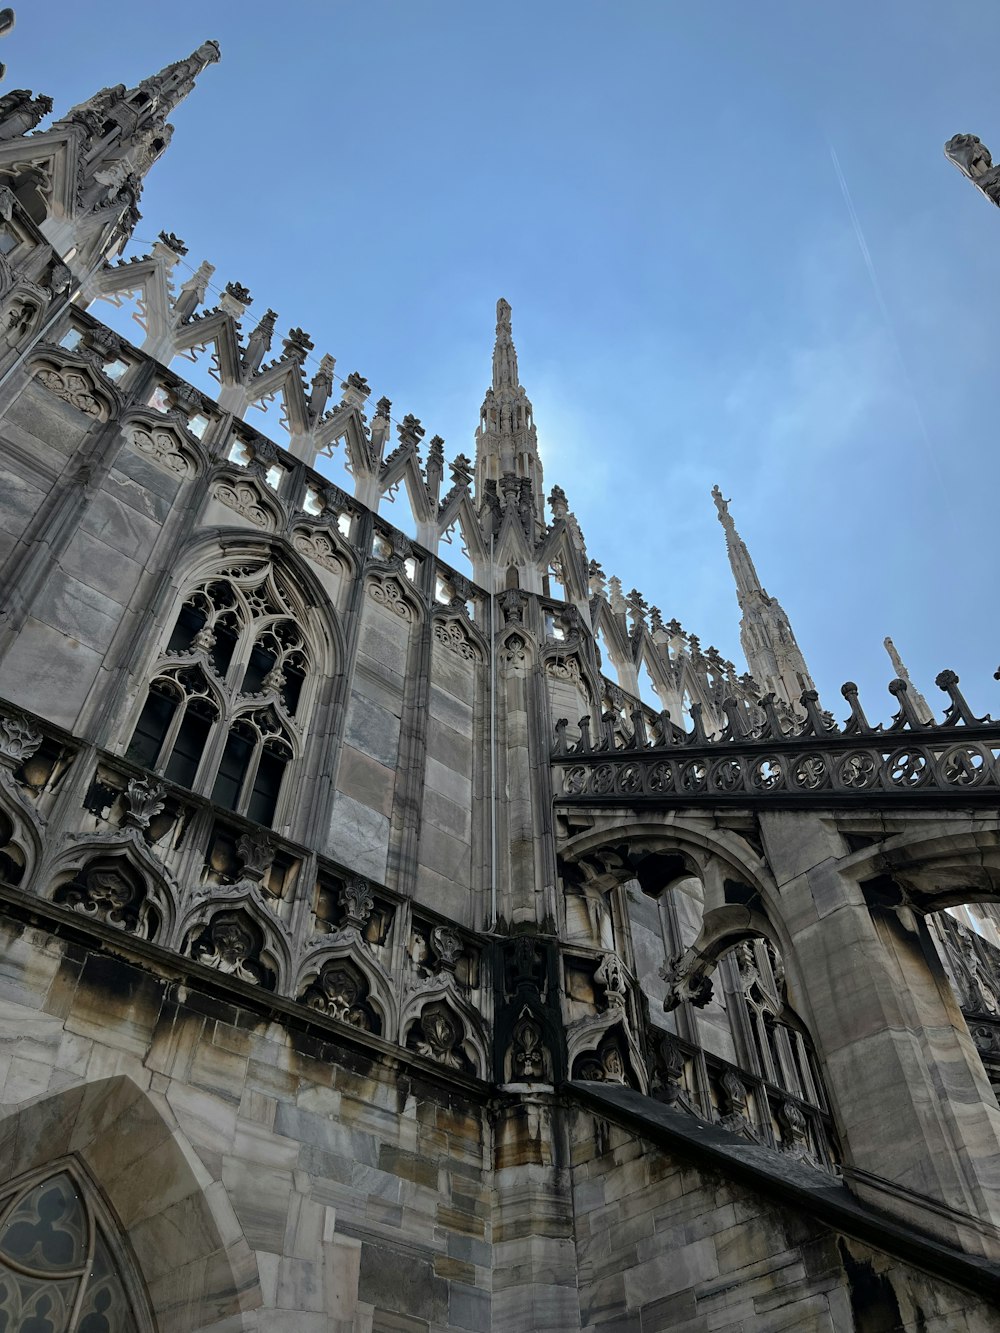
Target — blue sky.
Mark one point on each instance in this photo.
(653, 187)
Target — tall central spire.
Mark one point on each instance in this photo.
(507, 462)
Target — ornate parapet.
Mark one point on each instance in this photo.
(777, 762)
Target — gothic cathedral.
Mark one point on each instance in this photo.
(373, 957)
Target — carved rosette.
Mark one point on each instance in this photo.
(318, 547)
(75, 387)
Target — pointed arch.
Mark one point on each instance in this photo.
(234, 933)
(75, 380)
(380, 995)
(604, 1049)
(64, 1262)
(454, 630)
(234, 490)
(124, 1143)
(388, 587)
(21, 833)
(248, 664)
(163, 440)
(463, 1043)
(118, 880)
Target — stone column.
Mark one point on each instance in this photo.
(534, 1250)
(911, 1100)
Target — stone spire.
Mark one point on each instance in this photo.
(118, 134)
(506, 441)
(772, 654)
(920, 704)
(127, 127)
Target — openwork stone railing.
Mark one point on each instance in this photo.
(692, 1079)
(769, 759)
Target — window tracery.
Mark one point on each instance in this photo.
(60, 1271)
(228, 698)
(737, 1053)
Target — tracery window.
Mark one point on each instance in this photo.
(61, 1268)
(228, 698)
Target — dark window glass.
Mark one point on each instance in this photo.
(266, 786)
(188, 748)
(292, 692)
(225, 646)
(189, 622)
(235, 759)
(261, 661)
(154, 721)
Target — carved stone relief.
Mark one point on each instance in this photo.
(318, 547)
(163, 448)
(451, 635)
(389, 593)
(244, 499)
(75, 387)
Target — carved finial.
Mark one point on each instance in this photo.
(410, 431)
(297, 345)
(173, 242)
(503, 314)
(461, 471)
(356, 390)
(238, 292)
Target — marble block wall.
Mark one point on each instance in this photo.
(662, 1245)
(264, 1178)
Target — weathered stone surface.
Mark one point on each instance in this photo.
(366, 946)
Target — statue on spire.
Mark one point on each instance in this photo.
(504, 355)
(721, 505)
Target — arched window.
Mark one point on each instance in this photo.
(228, 697)
(62, 1268)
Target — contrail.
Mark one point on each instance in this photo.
(866, 255)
